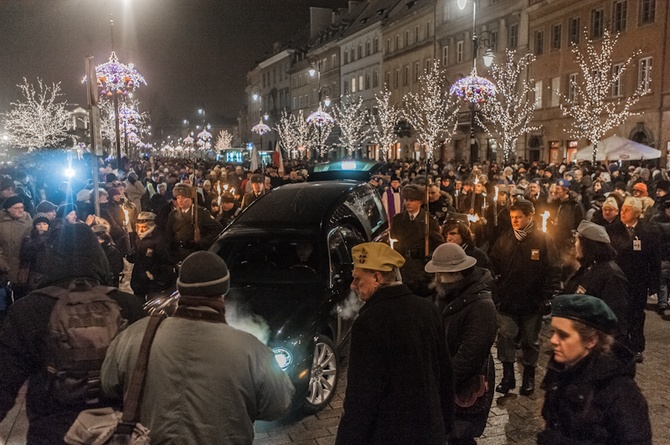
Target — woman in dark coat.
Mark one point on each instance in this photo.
(463, 297)
(599, 275)
(33, 257)
(591, 396)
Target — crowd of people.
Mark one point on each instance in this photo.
(478, 254)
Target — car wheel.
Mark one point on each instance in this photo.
(322, 375)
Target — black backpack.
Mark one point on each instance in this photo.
(83, 322)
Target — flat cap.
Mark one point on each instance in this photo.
(593, 231)
(589, 310)
(376, 256)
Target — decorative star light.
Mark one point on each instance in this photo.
(115, 77)
(473, 89)
(188, 140)
(320, 118)
(260, 128)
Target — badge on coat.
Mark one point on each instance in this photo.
(535, 254)
(637, 244)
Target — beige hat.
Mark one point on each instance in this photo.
(376, 256)
(633, 202)
(611, 202)
(449, 257)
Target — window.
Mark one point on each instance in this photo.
(360, 83)
(417, 71)
(459, 51)
(428, 29)
(428, 66)
(388, 46)
(367, 81)
(295, 103)
(556, 36)
(416, 33)
(353, 54)
(346, 56)
(538, 94)
(575, 24)
(572, 87)
(360, 50)
(345, 86)
(619, 12)
(375, 79)
(333, 60)
(445, 55)
(644, 75)
(387, 79)
(368, 48)
(647, 11)
(539, 43)
(406, 38)
(513, 36)
(375, 45)
(396, 78)
(494, 41)
(353, 84)
(555, 91)
(405, 76)
(597, 23)
(617, 80)
(397, 42)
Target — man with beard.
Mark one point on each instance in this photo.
(406, 409)
(152, 272)
(529, 272)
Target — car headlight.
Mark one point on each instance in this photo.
(283, 357)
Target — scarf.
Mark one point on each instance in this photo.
(521, 234)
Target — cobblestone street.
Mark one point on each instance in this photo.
(513, 419)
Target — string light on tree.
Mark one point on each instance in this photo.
(352, 119)
(39, 119)
(589, 102)
(511, 109)
(384, 122)
(224, 140)
(288, 132)
(432, 111)
(322, 123)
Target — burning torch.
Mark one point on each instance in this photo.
(495, 207)
(545, 217)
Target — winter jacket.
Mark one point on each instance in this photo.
(470, 329)
(150, 254)
(399, 380)
(23, 342)
(595, 402)
(180, 232)
(12, 232)
(206, 382)
(529, 272)
(606, 281)
(134, 191)
(33, 259)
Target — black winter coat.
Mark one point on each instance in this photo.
(399, 381)
(595, 402)
(150, 254)
(23, 342)
(470, 328)
(180, 232)
(607, 282)
(641, 267)
(529, 272)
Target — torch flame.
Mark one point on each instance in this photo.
(392, 241)
(127, 217)
(473, 218)
(495, 197)
(545, 217)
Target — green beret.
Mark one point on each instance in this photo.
(589, 310)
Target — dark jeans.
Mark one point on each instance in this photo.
(527, 327)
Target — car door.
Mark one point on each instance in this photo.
(341, 240)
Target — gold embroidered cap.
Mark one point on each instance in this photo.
(376, 256)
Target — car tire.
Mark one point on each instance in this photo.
(323, 375)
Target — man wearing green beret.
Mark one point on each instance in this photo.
(399, 380)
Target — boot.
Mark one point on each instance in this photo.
(528, 384)
(508, 382)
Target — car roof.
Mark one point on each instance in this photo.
(302, 205)
(356, 169)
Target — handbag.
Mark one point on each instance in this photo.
(105, 426)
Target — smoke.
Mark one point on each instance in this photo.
(349, 308)
(241, 318)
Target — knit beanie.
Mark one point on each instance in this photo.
(65, 209)
(203, 274)
(41, 218)
(11, 201)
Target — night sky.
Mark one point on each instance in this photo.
(193, 53)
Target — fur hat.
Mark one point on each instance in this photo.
(203, 274)
(414, 192)
(184, 190)
(12, 201)
(376, 256)
(589, 310)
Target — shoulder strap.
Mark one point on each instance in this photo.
(131, 402)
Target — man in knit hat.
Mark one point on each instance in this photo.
(638, 255)
(189, 227)
(76, 260)
(232, 378)
(608, 214)
(15, 224)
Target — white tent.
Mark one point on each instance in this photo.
(615, 148)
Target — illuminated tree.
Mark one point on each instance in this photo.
(321, 125)
(352, 119)
(510, 111)
(384, 122)
(432, 111)
(589, 102)
(40, 119)
(224, 140)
